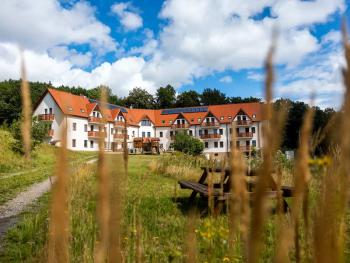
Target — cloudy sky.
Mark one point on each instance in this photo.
(190, 44)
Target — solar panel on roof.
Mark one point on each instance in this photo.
(184, 110)
(110, 106)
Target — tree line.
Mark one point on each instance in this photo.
(166, 97)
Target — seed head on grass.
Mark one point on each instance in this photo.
(26, 111)
(58, 248)
(103, 202)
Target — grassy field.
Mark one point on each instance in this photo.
(155, 217)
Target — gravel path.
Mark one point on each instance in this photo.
(11, 209)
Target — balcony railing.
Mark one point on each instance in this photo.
(244, 135)
(46, 117)
(119, 124)
(95, 120)
(50, 133)
(120, 136)
(243, 122)
(210, 136)
(210, 124)
(180, 126)
(96, 134)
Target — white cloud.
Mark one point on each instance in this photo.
(72, 55)
(321, 75)
(226, 79)
(122, 75)
(129, 19)
(255, 76)
(42, 24)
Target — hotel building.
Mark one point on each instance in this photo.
(211, 124)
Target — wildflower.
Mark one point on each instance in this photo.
(225, 259)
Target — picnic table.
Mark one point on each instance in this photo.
(221, 191)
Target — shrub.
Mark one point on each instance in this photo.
(188, 144)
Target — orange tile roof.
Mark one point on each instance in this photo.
(82, 107)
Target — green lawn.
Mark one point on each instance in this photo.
(153, 200)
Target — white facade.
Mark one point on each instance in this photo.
(83, 133)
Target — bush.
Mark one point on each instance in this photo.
(39, 132)
(188, 144)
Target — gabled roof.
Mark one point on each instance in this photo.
(81, 106)
(70, 104)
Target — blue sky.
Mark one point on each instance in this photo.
(190, 44)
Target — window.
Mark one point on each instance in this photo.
(143, 134)
(206, 145)
(145, 123)
(191, 133)
(74, 126)
(171, 133)
(229, 117)
(50, 110)
(45, 111)
(200, 132)
(85, 143)
(73, 143)
(163, 121)
(254, 143)
(253, 129)
(148, 134)
(254, 116)
(215, 131)
(199, 119)
(244, 118)
(230, 130)
(222, 118)
(85, 127)
(215, 144)
(133, 133)
(221, 144)
(221, 131)
(91, 144)
(161, 134)
(111, 130)
(91, 127)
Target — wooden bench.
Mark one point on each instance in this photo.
(222, 194)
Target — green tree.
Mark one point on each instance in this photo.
(187, 144)
(188, 99)
(39, 133)
(243, 100)
(165, 97)
(139, 98)
(213, 97)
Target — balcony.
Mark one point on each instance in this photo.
(50, 133)
(120, 137)
(180, 126)
(241, 135)
(246, 148)
(95, 120)
(119, 124)
(210, 136)
(96, 134)
(46, 117)
(243, 122)
(210, 124)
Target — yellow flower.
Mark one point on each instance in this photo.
(225, 259)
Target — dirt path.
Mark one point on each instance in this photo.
(10, 210)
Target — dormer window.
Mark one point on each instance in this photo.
(254, 116)
(82, 110)
(145, 123)
(199, 119)
(70, 108)
(222, 118)
(229, 117)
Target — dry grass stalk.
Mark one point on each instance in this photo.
(239, 199)
(271, 142)
(139, 252)
(103, 202)
(191, 240)
(58, 247)
(26, 111)
(334, 197)
(125, 148)
(302, 177)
